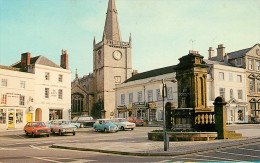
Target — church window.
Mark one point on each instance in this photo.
(140, 96)
(130, 98)
(221, 76)
(150, 95)
(252, 85)
(77, 102)
(240, 94)
(122, 99)
(231, 94)
(222, 92)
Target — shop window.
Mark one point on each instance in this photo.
(158, 94)
(130, 98)
(140, 96)
(21, 101)
(4, 82)
(47, 76)
(55, 114)
(19, 116)
(60, 94)
(22, 84)
(150, 95)
(169, 93)
(47, 92)
(3, 99)
(122, 99)
(2, 116)
(60, 78)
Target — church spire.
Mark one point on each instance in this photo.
(76, 74)
(112, 31)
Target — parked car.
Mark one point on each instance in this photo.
(48, 124)
(123, 124)
(37, 128)
(84, 121)
(138, 122)
(62, 127)
(105, 125)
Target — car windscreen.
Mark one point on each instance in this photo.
(38, 124)
(85, 118)
(63, 122)
(107, 121)
(122, 120)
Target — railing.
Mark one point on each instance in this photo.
(188, 118)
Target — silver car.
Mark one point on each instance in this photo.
(62, 127)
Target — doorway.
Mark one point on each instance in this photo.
(38, 114)
(28, 117)
(11, 120)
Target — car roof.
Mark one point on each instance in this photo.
(36, 122)
(103, 119)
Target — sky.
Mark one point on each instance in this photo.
(162, 30)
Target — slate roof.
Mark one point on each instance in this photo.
(238, 54)
(37, 60)
(152, 73)
(210, 62)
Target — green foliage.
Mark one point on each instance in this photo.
(96, 110)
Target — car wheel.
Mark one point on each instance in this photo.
(60, 133)
(132, 128)
(122, 128)
(52, 131)
(74, 133)
(105, 130)
(48, 135)
(33, 135)
(26, 133)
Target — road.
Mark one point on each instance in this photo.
(16, 147)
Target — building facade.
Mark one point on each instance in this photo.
(112, 65)
(248, 59)
(34, 89)
(139, 97)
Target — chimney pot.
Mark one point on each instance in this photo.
(220, 52)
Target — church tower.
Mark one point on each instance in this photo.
(112, 61)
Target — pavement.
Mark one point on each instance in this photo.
(141, 146)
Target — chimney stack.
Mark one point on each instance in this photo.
(211, 52)
(220, 52)
(64, 61)
(25, 61)
(134, 72)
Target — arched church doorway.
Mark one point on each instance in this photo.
(38, 114)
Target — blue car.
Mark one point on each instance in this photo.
(105, 125)
(48, 124)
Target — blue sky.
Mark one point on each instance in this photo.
(161, 30)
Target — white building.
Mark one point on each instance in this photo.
(229, 82)
(139, 96)
(46, 92)
(16, 94)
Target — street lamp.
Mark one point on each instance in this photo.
(165, 135)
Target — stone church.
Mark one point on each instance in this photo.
(112, 65)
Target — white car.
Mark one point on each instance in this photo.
(123, 124)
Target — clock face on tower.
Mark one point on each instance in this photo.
(117, 55)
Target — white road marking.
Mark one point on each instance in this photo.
(164, 161)
(81, 160)
(5, 149)
(228, 159)
(75, 160)
(198, 159)
(250, 149)
(238, 154)
(45, 159)
(32, 146)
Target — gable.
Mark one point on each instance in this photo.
(254, 51)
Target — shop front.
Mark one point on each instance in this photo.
(12, 118)
(236, 112)
(55, 114)
(122, 111)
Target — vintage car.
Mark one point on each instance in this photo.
(138, 122)
(36, 128)
(84, 121)
(105, 125)
(123, 124)
(62, 127)
(48, 124)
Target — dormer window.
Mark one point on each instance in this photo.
(239, 62)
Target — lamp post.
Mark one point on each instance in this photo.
(165, 135)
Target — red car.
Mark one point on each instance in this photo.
(138, 122)
(37, 128)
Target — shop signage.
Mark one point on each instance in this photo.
(139, 105)
(53, 93)
(121, 107)
(129, 106)
(152, 104)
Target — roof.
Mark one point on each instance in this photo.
(37, 60)
(239, 53)
(152, 73)
(9, 68)
(211, 62)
